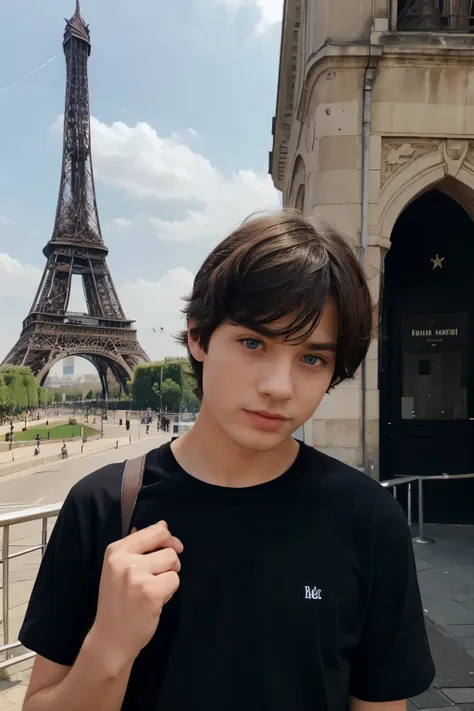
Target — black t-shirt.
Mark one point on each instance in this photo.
(294, 594)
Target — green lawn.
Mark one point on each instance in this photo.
(58, 431)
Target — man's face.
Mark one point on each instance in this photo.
(259, 390)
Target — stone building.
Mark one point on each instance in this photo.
(374, 131)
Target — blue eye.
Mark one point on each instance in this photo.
(252, 343)
(312, 360)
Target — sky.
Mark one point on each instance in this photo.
(182, 97)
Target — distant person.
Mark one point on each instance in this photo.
(148, 429)
(298, 580)
(64, 451)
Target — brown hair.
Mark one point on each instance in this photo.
(278, 265)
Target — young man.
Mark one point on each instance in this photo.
(259, 574)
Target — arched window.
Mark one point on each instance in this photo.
(300, 195)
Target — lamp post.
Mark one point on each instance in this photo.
(161, 386)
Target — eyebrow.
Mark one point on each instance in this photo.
(320, 346)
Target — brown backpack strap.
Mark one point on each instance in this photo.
(132, 479)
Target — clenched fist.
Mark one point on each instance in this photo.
(139, 576)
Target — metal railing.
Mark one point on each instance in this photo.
(7, 520)
(408, 481)
(44, 513)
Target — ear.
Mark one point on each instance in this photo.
(193, 342)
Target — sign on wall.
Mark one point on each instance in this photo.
(425, 332)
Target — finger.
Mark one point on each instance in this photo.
(163, 561)
(150, 539)
(164, 586)
(162, 523)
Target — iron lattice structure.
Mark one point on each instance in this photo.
(102, 335)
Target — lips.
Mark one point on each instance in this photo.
(267, 415)
(266, 421)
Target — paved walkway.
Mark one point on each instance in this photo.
(113, 435)
(446, 576)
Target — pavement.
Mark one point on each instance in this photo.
(445, 572)
(446, 577)
(114, 436)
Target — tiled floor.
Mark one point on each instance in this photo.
(446, 575)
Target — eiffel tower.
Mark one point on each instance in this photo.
(50, 332)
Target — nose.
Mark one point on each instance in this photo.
(276, 381)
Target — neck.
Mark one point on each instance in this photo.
(208, 453)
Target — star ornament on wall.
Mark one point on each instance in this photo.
(437, 262)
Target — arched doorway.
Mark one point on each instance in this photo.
(427, 353)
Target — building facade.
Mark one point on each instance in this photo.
(68, 367)
(374, 132)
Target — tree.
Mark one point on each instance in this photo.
(142, 388)
(145, 387)
(19, 392)
(170, 392)
(45, 397)
(14, 379)
(31, 387)
(189, 399)
(5, 400)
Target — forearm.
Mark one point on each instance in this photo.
(357, 705)
(96, 681)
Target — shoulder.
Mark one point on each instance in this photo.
(93, 505)
(350, 487)
(102, 484)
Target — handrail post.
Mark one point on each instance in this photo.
(409, 504)
(44, 536)
(6, 583)
(420, 538)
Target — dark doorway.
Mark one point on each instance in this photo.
(427, 354)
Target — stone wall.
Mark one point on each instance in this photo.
(421, 125)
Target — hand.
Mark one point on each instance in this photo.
(139, 576)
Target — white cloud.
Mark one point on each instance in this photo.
(18, 285)
(193, 132)
(18, 281)
(271, 11)
(119, 223)
(157, 305)
(233, 200)
(5, 220)
(145, 165)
